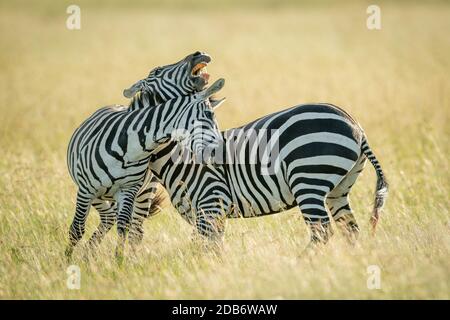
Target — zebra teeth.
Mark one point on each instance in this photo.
(198, 69)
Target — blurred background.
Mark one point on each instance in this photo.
(273, 54)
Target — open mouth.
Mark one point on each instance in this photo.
(199, 75)
(199, 70)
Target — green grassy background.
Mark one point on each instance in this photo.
(273, 55)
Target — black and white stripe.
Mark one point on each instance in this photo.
(162, 84)
(108, 156)
(322, 150)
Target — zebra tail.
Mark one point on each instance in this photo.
(382, 186)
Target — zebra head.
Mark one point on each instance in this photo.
(192, 125)
(182, 78)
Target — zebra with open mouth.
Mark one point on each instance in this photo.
(322, 150)
(108, 155)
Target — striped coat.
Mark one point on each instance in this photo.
(307, 156)
(108, 155)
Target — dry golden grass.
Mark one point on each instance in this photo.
(394, 81)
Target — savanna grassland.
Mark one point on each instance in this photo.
(394, 81)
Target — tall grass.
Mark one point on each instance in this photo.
(394, 81)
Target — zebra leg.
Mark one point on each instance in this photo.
(312, 206)
(338, 202)
(125, 203)
(211, 225)
(108, 216)
(77, 228)
(136, 233)
(146, 205)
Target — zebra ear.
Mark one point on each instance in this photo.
(131, 91)
(216, 103)
(214, 88)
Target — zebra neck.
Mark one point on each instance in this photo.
(151, 127)
(161, 162)
(143, 100)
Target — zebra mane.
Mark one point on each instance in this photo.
(144, 99)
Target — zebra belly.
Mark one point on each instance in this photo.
(250, 204)
(110, 178)
(257, 194)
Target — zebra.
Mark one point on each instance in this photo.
(228, 181)
(187, 76)
(108, 156)
(321, 152)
